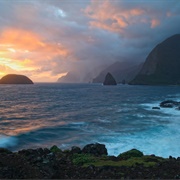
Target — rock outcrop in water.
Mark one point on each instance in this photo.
(168, 104)
(77, 163)
(15, 79)
(122, 72)
(162, 64)
(109, 80)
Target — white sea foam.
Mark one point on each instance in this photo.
(7, 141)
(158, 140)
(170, 111)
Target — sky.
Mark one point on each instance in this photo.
(46, 39)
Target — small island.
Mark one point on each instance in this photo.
(15, 79)
(109, 80)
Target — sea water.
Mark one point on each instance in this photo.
(121, 117)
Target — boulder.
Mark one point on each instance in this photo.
(156, 108)
(95, 149)
(75, 150)
(169, 104)
(15, 79)
(109, 80)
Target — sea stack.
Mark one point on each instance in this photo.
(15, 79)
(109, 80)
(162, 66)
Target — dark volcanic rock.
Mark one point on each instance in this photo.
(95, 149)
(109, 80)
(44, 164)
(156, 108)
(169, 104)
(15, 79)
(75, 149)
(122, 71)
(162, 64)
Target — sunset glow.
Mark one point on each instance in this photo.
(46, 40)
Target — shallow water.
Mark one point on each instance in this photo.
(76, 114)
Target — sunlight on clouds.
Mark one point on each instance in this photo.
(154, 23)
(47, 76)
(15, 65)
(25, 51)
(11, 50)
(117, 18)
(105, 15)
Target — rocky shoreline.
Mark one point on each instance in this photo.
(90, 162)
(168, 104)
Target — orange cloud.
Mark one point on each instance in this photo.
(154, 23)
(27, 41)
(23, 50)
(117, 18)
(104, 12)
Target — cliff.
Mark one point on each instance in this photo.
(162, 64)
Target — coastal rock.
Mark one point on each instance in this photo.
(15, 79)
(123, 72)
(169, 104)
(109, 80)
(37, 164)
(162, 64)
(156, 108)
(95, 149)
(6, 151)
(75, 149)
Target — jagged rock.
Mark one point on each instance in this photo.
(109, 80)
(37, 164)
(169, 104)
(15, 79)
(95, 149)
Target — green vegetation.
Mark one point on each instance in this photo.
(80, 159)
(146, 161)
(55, 149)
(132, 158)
(130, 153)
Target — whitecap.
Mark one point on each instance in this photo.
(157, 140)
(7, 141)
(77, 123)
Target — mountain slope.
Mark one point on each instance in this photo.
(162, 65)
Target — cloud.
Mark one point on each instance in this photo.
(45, 39)
(138, 24)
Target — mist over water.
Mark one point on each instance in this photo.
(121, 117)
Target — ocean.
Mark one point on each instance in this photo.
(66, 115)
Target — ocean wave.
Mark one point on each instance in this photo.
(157, 140)
(167, 111)
(7, 141)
